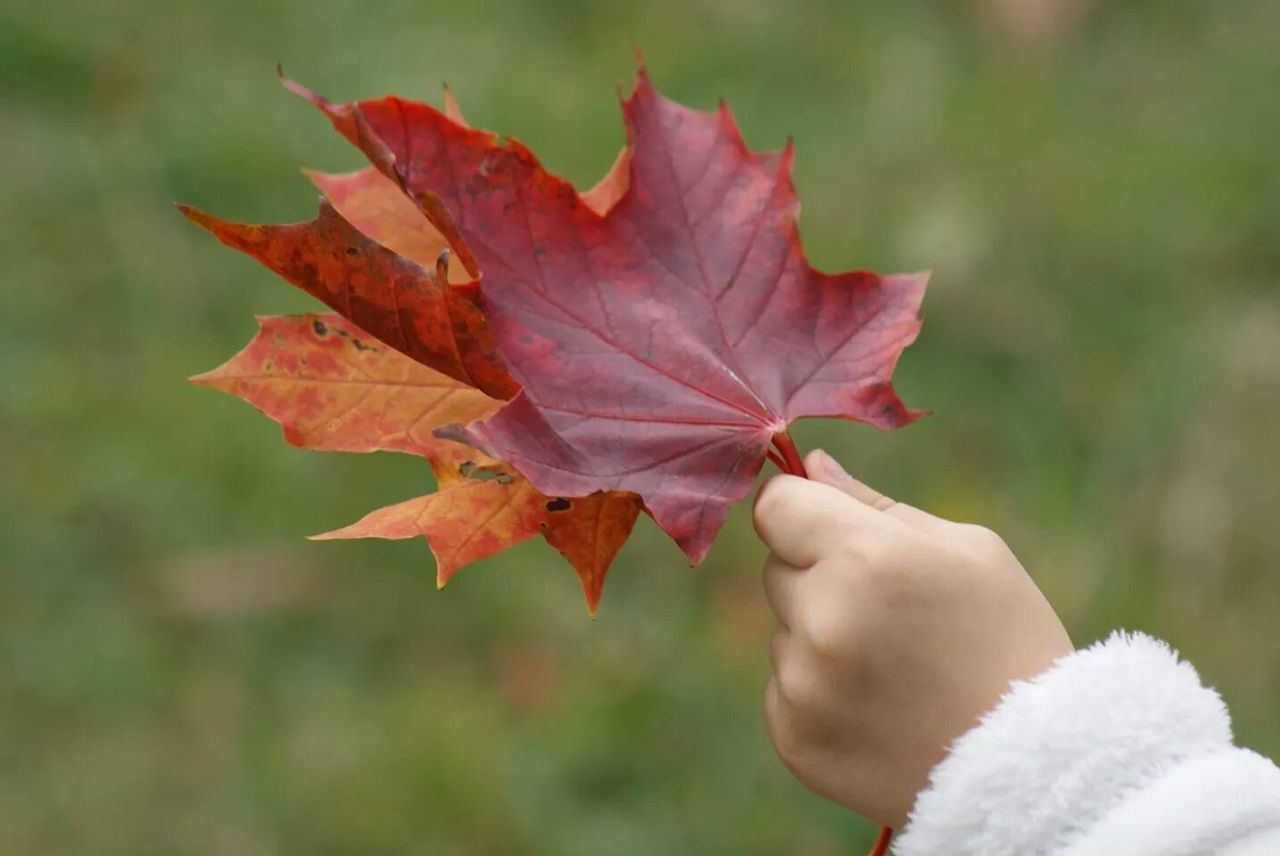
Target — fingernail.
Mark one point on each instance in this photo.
(831, 468)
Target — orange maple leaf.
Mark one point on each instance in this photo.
(331, 386)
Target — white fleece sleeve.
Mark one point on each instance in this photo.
(1116, 749)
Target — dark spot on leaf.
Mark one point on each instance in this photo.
(466, 468)
(888, 410)
(559, 504)
(352, 251)
(319, 327)
(361, 346)
(504, 478)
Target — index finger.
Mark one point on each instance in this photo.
(802, 520)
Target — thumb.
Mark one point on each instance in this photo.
(825, 469)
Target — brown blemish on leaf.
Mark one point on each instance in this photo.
(559, 504)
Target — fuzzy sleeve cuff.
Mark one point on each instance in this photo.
(1060, 752)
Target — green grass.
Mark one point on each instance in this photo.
(180, 672)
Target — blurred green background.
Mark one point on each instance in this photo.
(180, 672)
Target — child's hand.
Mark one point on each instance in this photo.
(896, 631)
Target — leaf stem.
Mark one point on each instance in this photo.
(792, 462)
(881, 847)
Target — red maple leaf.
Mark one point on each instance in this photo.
(665, 343)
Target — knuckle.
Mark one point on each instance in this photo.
(871, 561)
(984, 540)
(796, 685)
(828, 631)
(778, 717)
(771, 711)
(784, 725)
(855, 552)
(770, 576)
(777, 651)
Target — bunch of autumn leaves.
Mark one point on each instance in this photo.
(562, 360)
(373, 255)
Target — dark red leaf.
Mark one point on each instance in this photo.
(396, 300)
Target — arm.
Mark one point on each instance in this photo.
(914, 656)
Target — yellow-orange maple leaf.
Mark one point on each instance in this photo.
(332, 386)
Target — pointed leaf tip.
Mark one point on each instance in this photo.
(195, 215)
(451, 108)
(302, 92)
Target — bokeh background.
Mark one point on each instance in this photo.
(182, 673)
